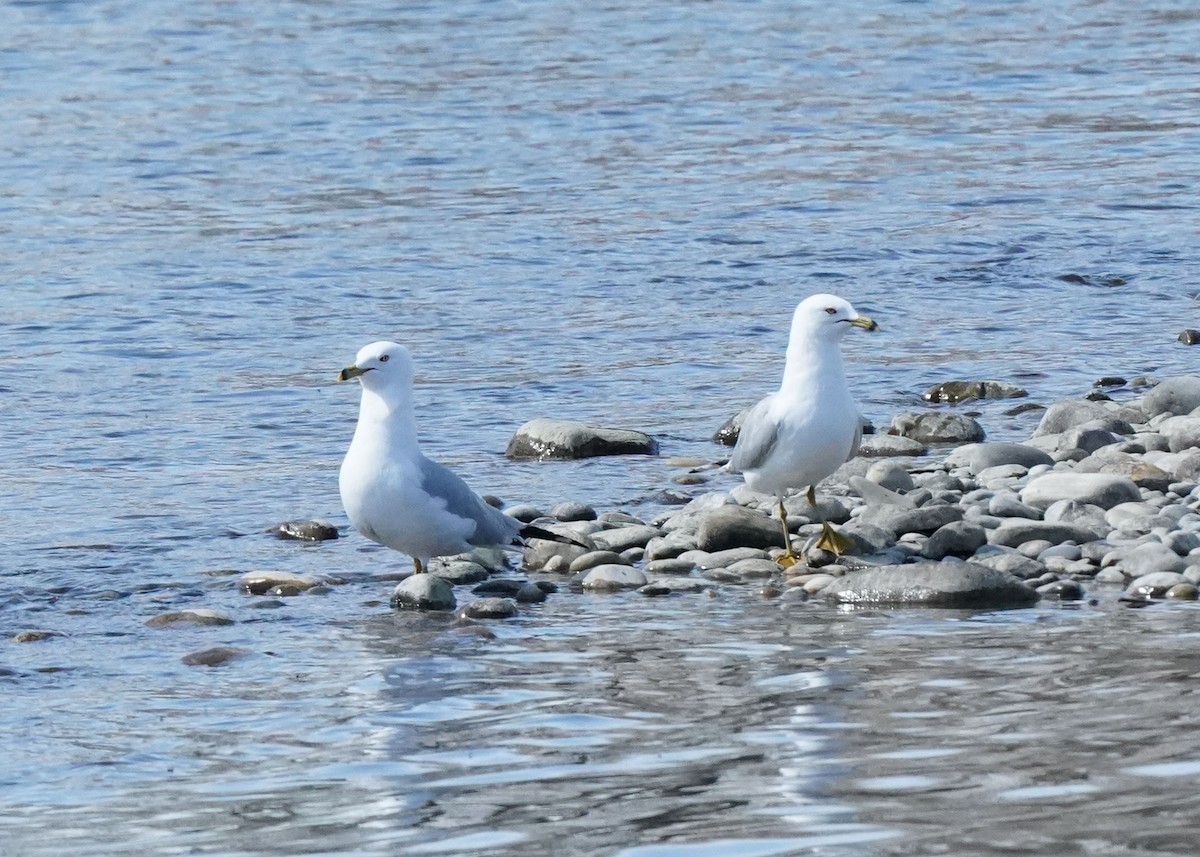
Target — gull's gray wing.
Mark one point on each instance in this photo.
(492, 527)
(756, 439)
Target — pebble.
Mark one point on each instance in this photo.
(214, 657)
(423, 592)
(1062, 590)
(591, 559)
(490, 608)
(609, 578)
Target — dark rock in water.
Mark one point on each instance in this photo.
(957, 538)
(188, 617)
(953, 392)
(526, 513)
(937, 427)
(1189, 336)
(260, 582)
(214, 657)
(1183, 592)
(502, 586)
(1111, 381)
(727, 434)
(305, 531)
(35, 636)
(1024, 408)
(543, 439)
(423, 592)
(1062, 590)
(950, 583)
(490, 608)
(530, 593)
(737, 526)
(899, 520)
(1179, 395)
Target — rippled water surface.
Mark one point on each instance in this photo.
(596, 211)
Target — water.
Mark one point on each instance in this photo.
(601, 213)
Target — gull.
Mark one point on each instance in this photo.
(797, 436)
(396, 496)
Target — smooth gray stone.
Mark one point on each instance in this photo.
(258, 582)
(1110, 575)
(750, 568)
(1087, 437)
(423, 592)
(670, 546)
(1154, 584)
(727, 557)
(609, 578)
(950, 584)
(1098, 489)
(525, 513)
(868, 538)
(1009, 561)
(1182, 543)
(618, 518)
(890, 475)
(458, 572)
(591, 559)
(1070, 552)
(1134, 517)
(888, 446)
(1080, 514)
(937, 427)
(539, 552)
(678, 567)
(735, 526)
(193, 616)
(1182, 433)
(490, 608)
(1016, 531)
(1073, 412)
(572, 511)
(1152, 558)
(958, 538)
(1007, 472)
(1139, 471)
(530, 593)
(1035, 548)
(878, 495)
(1178, 395)
(925, 520)
(623, 538)
(676, 586)
(978, 457)
(544, 439)
(1008, 505)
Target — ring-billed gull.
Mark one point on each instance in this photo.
(396, 496)
(799, 435)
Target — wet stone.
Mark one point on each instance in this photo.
(675, 567)
(953, 392)
(735, 526)
(571, 511)
(1062, 590)
(957, 538)
(675, 586)
(459, 572)
(1155, 585)
(490, 608)
(530, 593)
(752, 568)
(609, 578)
(889, 445)
(499, 586)
(625, 537)
(544, 439)
(35, 636)
(423, 592)
(1182, 592)
(925, 520)
(937, 427)
(260, 582)
(214, 657)
(198, 616)
(591, 559)
(950, 584)
(305, 531)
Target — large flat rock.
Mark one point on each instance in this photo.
(950, 583)
(562, 439)
(1098, 489)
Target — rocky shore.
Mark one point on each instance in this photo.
(1103, 496)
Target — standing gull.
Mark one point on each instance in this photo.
(799, 435)
(396, 496)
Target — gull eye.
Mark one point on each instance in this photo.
(831, 310)
(384, 358)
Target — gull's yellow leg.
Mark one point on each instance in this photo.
(788, 559)
(417, 567)
(830, 540)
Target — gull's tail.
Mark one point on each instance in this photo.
(529, 531)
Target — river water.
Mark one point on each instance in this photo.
(602, 212)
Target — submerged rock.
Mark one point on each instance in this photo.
(543, 439)
(305, 531)
(196, 616)
(950, 583)
(491, 608)
(423, 592)
(215, 657)
(259, 582)
(953, 392)
(610, 578)
(937, 427)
